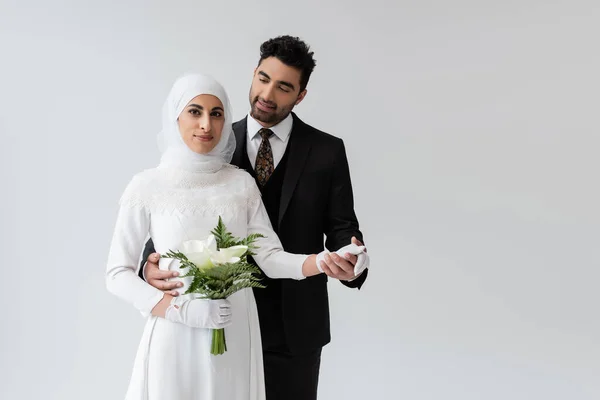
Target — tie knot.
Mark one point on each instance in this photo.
(265, 133)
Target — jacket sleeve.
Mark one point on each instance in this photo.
(341, 222)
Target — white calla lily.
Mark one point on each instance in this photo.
(192, 246)
(204, 253)
(234, 251)
(211, 243)
(229, 255)
(199, 252)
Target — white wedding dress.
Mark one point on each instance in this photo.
(170, 205)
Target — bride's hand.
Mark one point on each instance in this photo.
(200, 313)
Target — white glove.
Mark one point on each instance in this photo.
(200, 313)
(362, 261)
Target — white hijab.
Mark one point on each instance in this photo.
(175, 153)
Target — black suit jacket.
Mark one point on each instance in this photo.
(316, 200)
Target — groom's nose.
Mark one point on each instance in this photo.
(268, 92)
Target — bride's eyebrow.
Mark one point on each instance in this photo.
(199, 107)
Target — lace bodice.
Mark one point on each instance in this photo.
(172, 205)
(166, 190)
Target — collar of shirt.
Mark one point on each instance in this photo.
(282, 130)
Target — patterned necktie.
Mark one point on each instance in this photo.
(264, 158)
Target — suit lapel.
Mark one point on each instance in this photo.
(298, 152)
(240, 131)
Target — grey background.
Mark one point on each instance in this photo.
(472, 134)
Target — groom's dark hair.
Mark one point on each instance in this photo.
(291, 51)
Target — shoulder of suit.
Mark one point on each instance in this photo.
(237, 124)
(320, 136)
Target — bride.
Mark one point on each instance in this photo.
(182, 198)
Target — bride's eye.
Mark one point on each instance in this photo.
(217, 114)
(194, 111)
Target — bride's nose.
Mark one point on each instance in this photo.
(205, 123)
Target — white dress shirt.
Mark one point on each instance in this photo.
(279, 139)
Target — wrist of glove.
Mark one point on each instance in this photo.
(200, 313)
(362, 261)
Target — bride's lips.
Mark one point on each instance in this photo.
(264, 107)
(203, 138)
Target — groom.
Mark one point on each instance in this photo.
(304, 179)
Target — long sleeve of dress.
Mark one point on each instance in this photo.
(131, 230)
(270, 256)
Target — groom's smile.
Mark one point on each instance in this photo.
(265, 106)
(275, 90)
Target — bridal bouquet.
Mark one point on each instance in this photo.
(218, 267)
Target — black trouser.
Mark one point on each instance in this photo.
(291, 377)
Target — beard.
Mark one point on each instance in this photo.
(273, 117)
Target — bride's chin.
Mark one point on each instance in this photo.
(199, 149)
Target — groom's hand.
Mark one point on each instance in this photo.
(337, 267)
(341, 268)
(157, 278)
(357, 242)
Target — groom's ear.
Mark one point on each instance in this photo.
(300, 97)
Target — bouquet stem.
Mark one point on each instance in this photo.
(219, 345)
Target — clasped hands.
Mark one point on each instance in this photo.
(346, 264)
